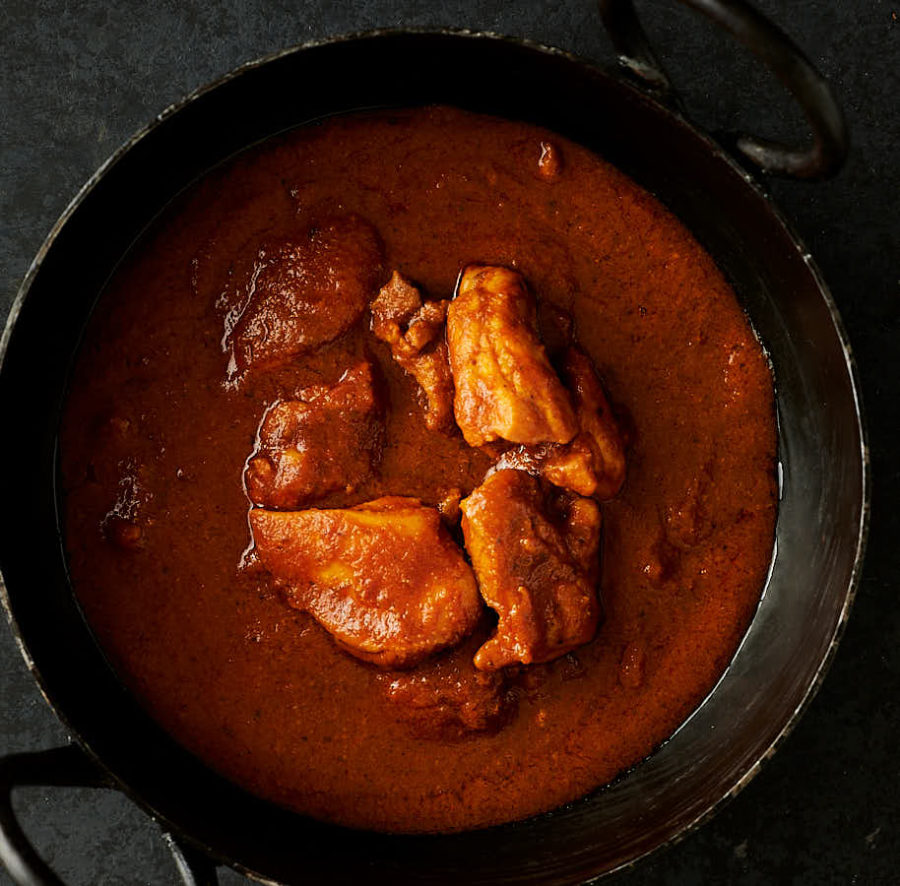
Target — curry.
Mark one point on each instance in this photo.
(418, 471)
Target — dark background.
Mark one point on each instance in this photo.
(79, 77)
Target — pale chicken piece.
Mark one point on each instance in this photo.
(384, 578)
(594, 462)
(415, 332)
(303, 293)
(535, 554)
(505, 385)
(331, 440)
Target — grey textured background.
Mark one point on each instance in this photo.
(79, 76)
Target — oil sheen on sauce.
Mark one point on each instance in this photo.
(154, 441)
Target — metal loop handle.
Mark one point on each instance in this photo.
(781, 55)
(67, 766)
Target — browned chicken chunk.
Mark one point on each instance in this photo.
(594, 462)
(304, 293)
(448, 697)
(505, 385)
(385, 578)
(329, 441)
(415, 332)
(535, 553)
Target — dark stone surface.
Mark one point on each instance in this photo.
(80, 75)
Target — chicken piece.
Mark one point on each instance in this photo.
(308, 448)
(505, 385)
(448, 697)
(302, 294)
(535, 555)
(415, 332)
(384, 578)
(594, 462)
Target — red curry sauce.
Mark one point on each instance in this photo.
(155, 439)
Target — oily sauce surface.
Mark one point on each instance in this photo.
(156, 434)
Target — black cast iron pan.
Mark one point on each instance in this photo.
(632, 119)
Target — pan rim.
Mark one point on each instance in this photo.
(862, 527)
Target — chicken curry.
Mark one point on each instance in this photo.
(419, 471)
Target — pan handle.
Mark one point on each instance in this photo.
(68, 766)
(821, 159)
